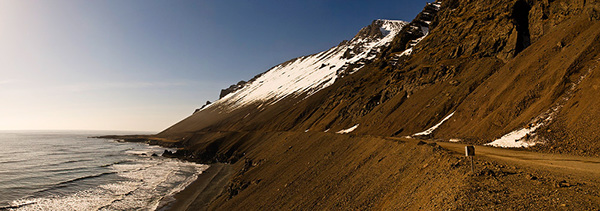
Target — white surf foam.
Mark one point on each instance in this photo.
(146, 183)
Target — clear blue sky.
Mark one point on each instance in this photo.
(145, 64)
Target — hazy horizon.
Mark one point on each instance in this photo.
(145, 65)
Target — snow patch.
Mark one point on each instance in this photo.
(406, 52)
(430, 130)
(437, 5)
(348, 130)
(454, 140)
(517, 138)
(425, 30)
(412, 44)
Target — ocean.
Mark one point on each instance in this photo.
(66, 170)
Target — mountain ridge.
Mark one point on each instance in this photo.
(408, 77)
(339, 59)
(520, 72)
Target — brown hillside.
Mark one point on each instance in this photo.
(499, 65)
(324, 171)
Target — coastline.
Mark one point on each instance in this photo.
(208, 186)
(200, 193)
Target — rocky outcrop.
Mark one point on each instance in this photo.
(203, 106)
(418, 28)
(232, 89)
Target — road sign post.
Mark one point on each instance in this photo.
(470, 152)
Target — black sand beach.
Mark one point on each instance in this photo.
(199, 194)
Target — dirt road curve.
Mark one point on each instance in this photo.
(554, 162)
(558, 163)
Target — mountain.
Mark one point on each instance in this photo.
(309, 74)
(297, 78)
(505, 74)
(343, 127)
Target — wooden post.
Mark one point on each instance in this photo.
(470, 152)
(472, 166)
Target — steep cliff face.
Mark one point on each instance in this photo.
(541, 70)
(518, 72)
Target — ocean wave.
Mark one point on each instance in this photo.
(84, 178)
(12, 161)
(118, 162)
(63, 163)
(147, 182)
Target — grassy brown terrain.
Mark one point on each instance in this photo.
(500, 65)
(307, 171)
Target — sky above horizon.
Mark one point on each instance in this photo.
(143, 65)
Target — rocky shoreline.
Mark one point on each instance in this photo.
(210, 184)
(208, 155)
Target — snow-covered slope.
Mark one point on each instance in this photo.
(309, 74)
